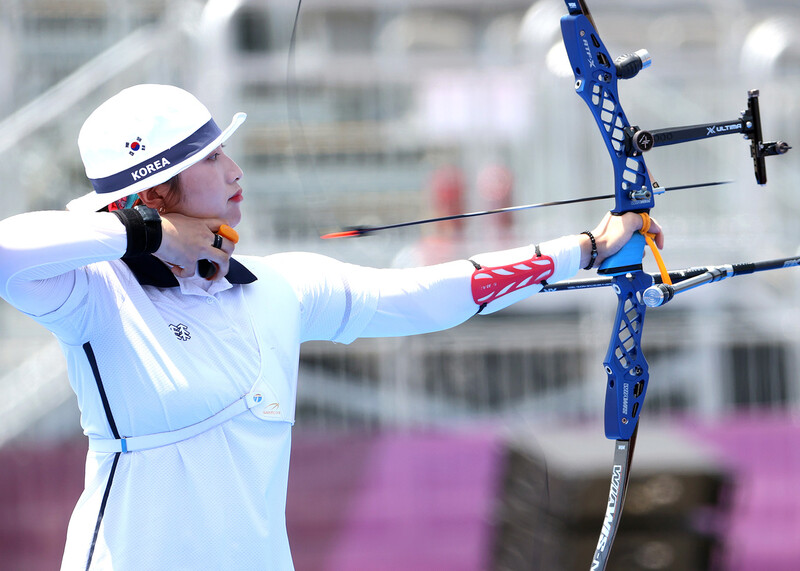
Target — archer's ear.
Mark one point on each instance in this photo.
(154, 197)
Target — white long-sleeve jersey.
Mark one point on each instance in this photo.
(150, 354)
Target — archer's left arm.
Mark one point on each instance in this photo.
(433, 298)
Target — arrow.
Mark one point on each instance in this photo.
(363, 230)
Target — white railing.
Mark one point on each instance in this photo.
(33, 390)
(65, 95)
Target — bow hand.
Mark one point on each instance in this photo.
(618, 235)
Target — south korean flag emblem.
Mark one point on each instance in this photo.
(134, 146)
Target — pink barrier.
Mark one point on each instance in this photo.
(394, 501)
(39, 486)
(764, 452)
(356, 501)
(420, 501)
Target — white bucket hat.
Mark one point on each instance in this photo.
(141, 137)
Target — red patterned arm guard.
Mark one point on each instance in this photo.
(491, 283)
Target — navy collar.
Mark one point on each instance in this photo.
(149, 270)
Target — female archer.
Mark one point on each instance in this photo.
(186, 380)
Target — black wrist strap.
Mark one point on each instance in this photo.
(594, 250)
(143, 228)
(477, 266)
(539, 255)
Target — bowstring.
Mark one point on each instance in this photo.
(295, 122)
(315, 202)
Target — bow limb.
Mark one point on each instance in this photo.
(596, 78)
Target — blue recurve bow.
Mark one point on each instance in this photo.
(596, 79)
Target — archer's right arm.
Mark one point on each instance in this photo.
(41, 251)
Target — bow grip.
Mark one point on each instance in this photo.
(628, 259)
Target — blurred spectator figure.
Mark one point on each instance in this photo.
(447, 196)
(441, 241)
(496, 189)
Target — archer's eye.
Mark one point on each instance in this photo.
(214, 156)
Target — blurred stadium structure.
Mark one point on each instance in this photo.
(388, 111)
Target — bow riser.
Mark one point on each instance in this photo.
(596, 81)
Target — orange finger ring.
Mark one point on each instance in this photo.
(229, 233)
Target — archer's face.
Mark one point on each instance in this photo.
(210, 189)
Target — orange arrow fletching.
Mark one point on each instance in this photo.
(345, 234)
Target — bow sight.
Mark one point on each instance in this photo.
(638, 141)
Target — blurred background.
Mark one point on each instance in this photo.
(481, 447)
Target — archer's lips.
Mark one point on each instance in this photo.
(237, 197)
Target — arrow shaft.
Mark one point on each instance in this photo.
(361, 230)
(494, 211)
